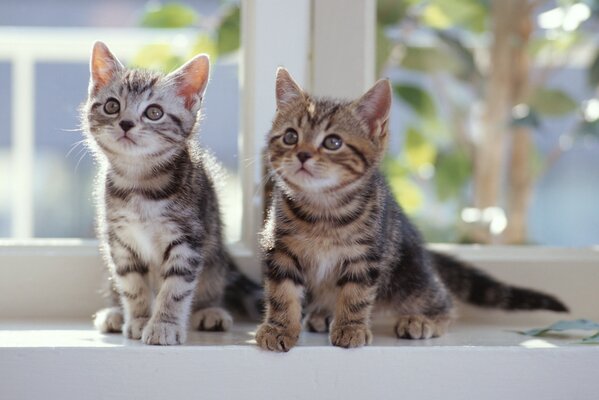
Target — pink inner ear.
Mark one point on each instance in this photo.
(375, 105)
(104, 65)
(287, 90)
(191, 80)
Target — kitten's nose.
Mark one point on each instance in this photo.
(303, 156)
(126, 125)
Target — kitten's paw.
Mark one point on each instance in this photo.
(163, 333)
(274, 338)
(133, 328)
(109, 320)
(420, 327)
(317, 322)
(349, 336)
(211, 319)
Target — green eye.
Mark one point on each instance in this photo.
(154, 112)
(290, 137)
(112, 106)
(332, 142)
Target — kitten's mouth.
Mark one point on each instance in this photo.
(303, 171)
(126, 139)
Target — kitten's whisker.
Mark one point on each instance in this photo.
(81, 158)
(74, 146)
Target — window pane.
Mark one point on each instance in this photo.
(495, 126)
(64, 170)
(5, 143)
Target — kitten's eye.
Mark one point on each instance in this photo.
(332, 142)
(154, 112)
(112, 106)
(290, 137)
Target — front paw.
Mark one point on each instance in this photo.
(211, 319)
(349, 336)
(134, 327)
(274, 338)
(317, 322)
(163, 333)
(109, 320)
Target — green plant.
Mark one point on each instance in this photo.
(478, 63)
(215, 39)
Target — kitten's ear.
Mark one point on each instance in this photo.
(103, 66)
(191, 79)
(374, 106)
(287, 90)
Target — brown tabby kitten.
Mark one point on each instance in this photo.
(158, 216)
(338, 244)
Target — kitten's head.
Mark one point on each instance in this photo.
(135, 114)
(320, 145)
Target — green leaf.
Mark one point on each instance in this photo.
(418, 99)
(588, 128)
(560, 326)
(228, 34)
(204, 44)
(466, 67)
(472, 15)
(407, 194)
(427, 59)
(158, 56)
(390, 12)
(530, 119)
(452, 171)
(384, 46)
(593, 73)
(171, 15)
(404, 190)
(554, 102)
(418, 150)
(591, 339)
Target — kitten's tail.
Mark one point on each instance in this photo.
(473, 286)
(243, 295)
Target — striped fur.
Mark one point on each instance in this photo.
(158, 215)
(337, 245)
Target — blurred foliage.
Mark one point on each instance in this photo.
(172, 15)
(435, 41)
(213, 39)
(553, 102)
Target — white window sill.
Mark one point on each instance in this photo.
(69, 360)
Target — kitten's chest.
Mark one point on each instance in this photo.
(145, 226)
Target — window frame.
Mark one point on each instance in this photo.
(313, 51)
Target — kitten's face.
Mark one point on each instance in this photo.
(320, 145)
(134, 113)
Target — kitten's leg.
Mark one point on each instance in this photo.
(207, 315)
(109, 320)
(211, 319)
(284, 291)
(318, 321)
(179, 271)
(357, 292)
(426, 314)
(130, 278)
(421, 327)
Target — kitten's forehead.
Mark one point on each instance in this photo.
(134, 84)
(314, 115)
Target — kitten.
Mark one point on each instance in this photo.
(158, 216)
(336, 240)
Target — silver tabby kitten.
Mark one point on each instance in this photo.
(158, 216)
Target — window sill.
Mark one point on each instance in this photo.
(70, 360)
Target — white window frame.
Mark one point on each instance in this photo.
(54, 278)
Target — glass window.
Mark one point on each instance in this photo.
(63, 171)
(495, 126)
